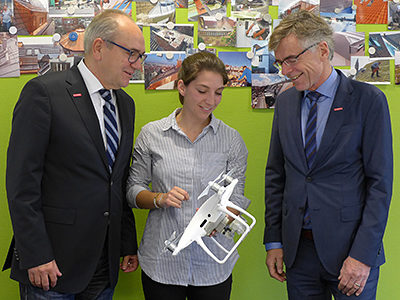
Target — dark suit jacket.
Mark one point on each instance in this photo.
(63, 201)
(349, 186)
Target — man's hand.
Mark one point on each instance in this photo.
(353, 276)
(129, 263)
(274, 262)
(45, 275)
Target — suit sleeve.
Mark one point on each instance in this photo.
(25, 164)
(377, 156)
(274, 185)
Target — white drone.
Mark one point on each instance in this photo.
(212, 217)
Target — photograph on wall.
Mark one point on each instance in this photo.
(66, 25)
(7, 15)
(72, 8)
(181, 3)
(273, 2)
(190, 51)
(179, 38)
(371, 11)
(286, 7)
(32, 17)
(39, 55)
(160, 12)
(394, 16)
(198, 8)
(238, 66)
(217, 32)
(265, 88)
(263, 63)
(9, 61)
(370, 70)
(397, 68)
(161, 70)
(137, 76)
(249, 9)
(250, 31)
(123, 5)
(383, 44)
(347, 44)
(339, 14)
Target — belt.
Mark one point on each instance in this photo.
(307, 234)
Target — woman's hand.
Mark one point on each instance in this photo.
(173, 198)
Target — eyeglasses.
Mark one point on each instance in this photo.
(134, 54)
(291, 60)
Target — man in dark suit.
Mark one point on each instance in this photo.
(66, 189)
(329, 173)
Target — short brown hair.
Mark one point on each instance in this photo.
(200, 61)
(307, 27)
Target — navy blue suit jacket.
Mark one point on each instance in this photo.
(349, 186)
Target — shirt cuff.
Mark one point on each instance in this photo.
(273, 245)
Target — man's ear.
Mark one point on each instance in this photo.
(97, 48)
(324, 49)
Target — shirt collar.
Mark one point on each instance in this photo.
(328, 87)
(92, 83)
(170, 122)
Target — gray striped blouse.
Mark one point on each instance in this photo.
(165, 157)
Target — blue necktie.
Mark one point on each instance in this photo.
(111, 127)
(310, 146)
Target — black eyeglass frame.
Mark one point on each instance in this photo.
(291, 60)
(132, 52)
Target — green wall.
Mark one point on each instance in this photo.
(250, 277)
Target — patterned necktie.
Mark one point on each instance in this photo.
(310, 147)
(111, 127)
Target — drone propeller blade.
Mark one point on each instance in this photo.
(210, 183)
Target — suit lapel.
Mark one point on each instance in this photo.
(81, 99)
(340, 105)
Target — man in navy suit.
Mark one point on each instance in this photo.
(329, 174)
(66, 198)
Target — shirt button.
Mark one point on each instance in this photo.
(106, 214)
(308, 179)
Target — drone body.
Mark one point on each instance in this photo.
(212, 217)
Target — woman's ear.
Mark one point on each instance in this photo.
(181, 87)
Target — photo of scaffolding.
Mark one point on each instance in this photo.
(286, 7)
(238, 67)
(214, 32)
(370, 70)
(347, 44)
(250, 31)
(249, 9)
(161, 70)
(177, 39)
(265, 89)
(161, 12)
(371, 11)
(339, 14)
(198, 8)
(384, 44)
(9, 62)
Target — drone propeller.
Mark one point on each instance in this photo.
(209, 185)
